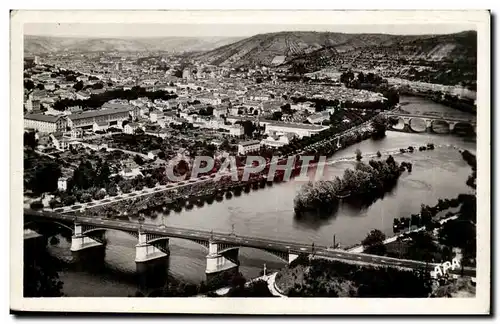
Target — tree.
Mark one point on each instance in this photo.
(30, 140)
(99, 194)
(347, 77)
(361, 77)
(150, 182)
(248, 127)
(457, 233)
(54, 203)
(373, 243)
(37, 204)
(102, 176)
(358, 154)
(422, 247)
(390, 160)
(112, 191)
(139, 160)
(84, 176)
(277, 115)
(78, 86)
(379, 124)
(40, 276)
(69, 200)
(29, 85)
(45, 177)
(126, 186)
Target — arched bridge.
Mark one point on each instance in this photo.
(429, 123)
(222, 247)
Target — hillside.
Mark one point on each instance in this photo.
(323, 48)
(43, 44)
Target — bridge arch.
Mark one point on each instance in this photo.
(439, 126)
(47, 221)
(464, 128)
(417, 125)
(400, 125)
(282, 255)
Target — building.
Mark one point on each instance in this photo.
(220, 111)
(33, 105)
(60, 141)
(130, 128)
(318, 118)
(280, 128)
(155, 116)
(186, 74)
(153, 154)
(111, 116)
(45, 123)
(30, 61)
(100, 126)
(248, 146)
(236, 130)
(62, 183)
(278, 141)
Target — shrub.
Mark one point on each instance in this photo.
(69, 200)
(36, 204)
(54, 203)
(100, 194)
(86, 197)
(112, 191)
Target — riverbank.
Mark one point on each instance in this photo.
(318, 277)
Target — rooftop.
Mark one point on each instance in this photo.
(97, 113)
(293, 125)
(42, 117)
(247, 143)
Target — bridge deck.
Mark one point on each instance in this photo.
(241, 241)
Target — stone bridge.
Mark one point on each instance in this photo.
(435, 124)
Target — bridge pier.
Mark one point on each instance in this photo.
(145, 252)
(222, 259)
(428, 125)
(88, 251)
(452, 126)
(151, 260)
(80, 241)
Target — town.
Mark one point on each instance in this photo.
(169, 146)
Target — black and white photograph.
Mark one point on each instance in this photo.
(207, 156)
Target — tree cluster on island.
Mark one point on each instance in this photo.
(365, 181)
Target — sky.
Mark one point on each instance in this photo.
(118, 30)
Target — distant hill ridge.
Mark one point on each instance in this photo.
(310, 46)
(46, 44)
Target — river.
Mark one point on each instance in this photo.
(268, 213)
